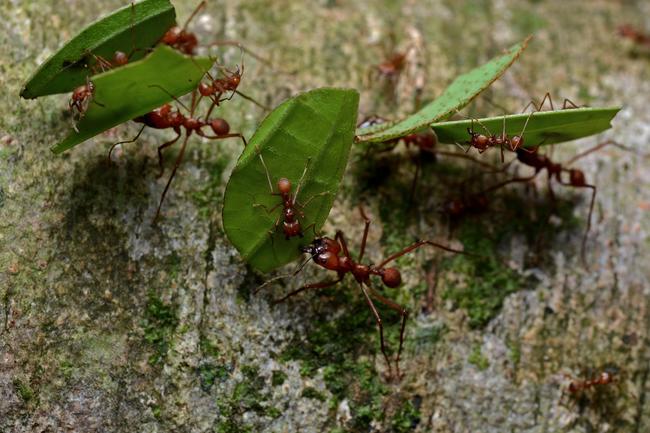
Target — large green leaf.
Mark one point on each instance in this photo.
(460, 93)
(544, 127)
(135, 89)
(139, 27)
(317, 126)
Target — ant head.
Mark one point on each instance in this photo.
(284, 186)
(320, 246)
(171, 36)
(481, 141)
(577, 177)
(206, 89)
(234, 78)
(391, 277)
(220, 126)
(121, 58)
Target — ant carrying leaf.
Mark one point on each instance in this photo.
(317, 126)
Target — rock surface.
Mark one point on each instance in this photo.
(110, 324)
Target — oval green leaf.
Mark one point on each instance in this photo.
(139, 27)
(313, 130)
(544, 127)
(459, 93)
(135, 89)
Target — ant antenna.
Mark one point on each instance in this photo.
(279, 277)
(268, 176)
(302, 177)
(196, 11)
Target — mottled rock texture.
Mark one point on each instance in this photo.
(110, 324)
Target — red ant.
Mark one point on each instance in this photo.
(165, 118)
(604, 378)
(289, 216)
(576, 177)
(333, 255)
(483, 142)
(638, 37)
(181, 39)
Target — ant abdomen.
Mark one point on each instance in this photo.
(391, 277)
(577, 177)
(220, 126)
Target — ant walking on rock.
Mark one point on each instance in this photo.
(333, 255)
(576, 178)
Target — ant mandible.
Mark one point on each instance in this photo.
(166, 118)
(333, 255)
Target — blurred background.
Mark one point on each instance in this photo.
(109, 324)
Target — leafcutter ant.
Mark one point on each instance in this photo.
(576, 177)
(167, 118)
(291, 208)
(333, 255)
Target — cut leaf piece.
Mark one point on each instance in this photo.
(313, 130)
(135, 89)
(139, 26)
(460, 93)
(544, 127)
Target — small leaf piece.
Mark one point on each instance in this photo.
(313, 130)
(459, 93)
(135, 89)
(131, 29)
(544, 127)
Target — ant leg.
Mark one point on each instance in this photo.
(243, 48)
(340, 238)
(403, 312)
(583, 254)
(594, 149)
(367, 222)
(160, 149)
(179, 158)
(221, 137)
(303, 205)
(279, 277)
(172, 96)
(567, 101)
(417, 245)
(267, 209)
(379, 324)
(414, 182)
(248, 98)
(509, 181)
(321, 285)
(133, 140)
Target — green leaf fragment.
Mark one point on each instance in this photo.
(544, 127)
(135, 89)
(313, 130)
(131, 29)
(460, 93)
